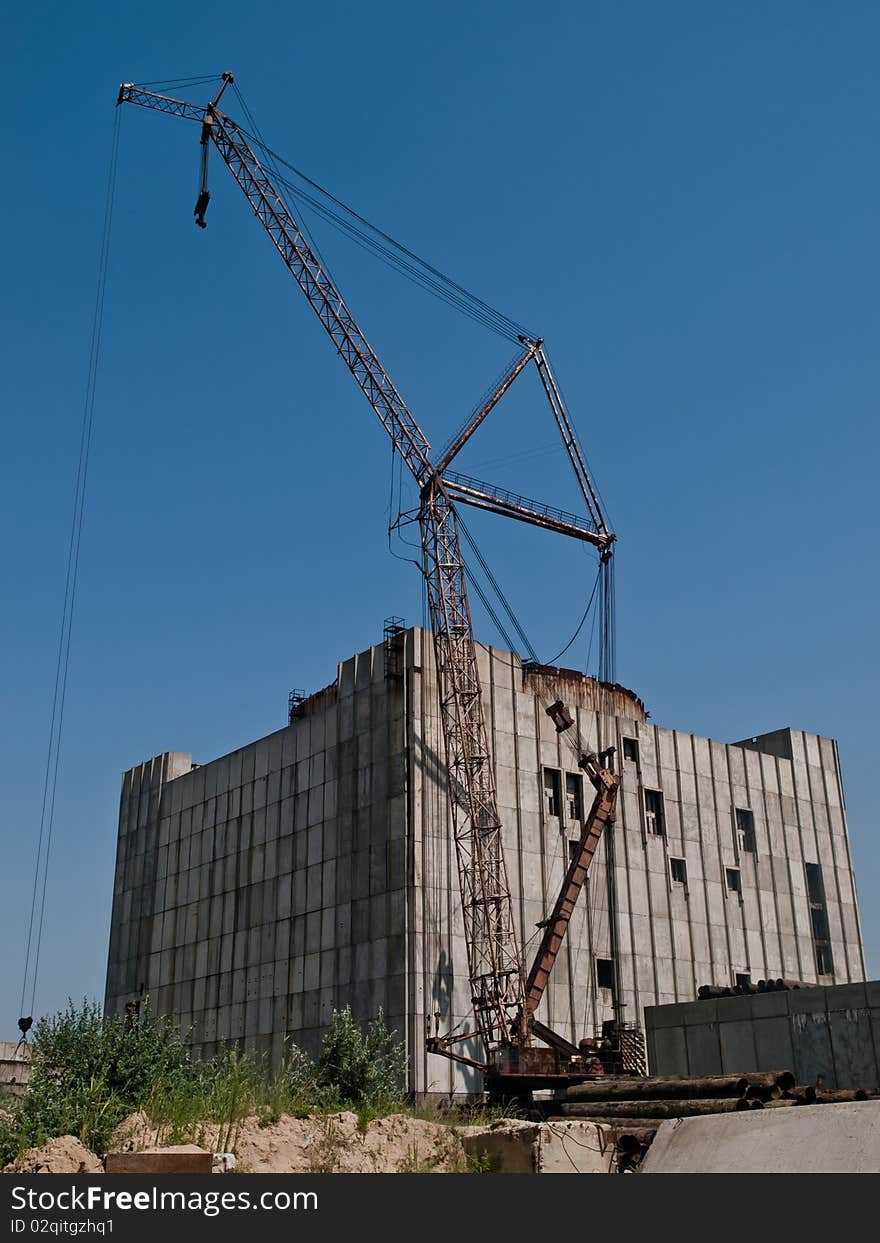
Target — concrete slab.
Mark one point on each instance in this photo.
(186, 1159)
(560, 1147)
(812, 1139)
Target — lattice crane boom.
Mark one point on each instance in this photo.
(494, 962)
(502, 1005)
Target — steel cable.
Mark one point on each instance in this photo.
(50, 782)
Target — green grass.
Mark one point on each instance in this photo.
(89, 1073)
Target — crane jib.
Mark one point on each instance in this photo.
(500, 998)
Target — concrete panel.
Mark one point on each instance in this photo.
(812, 1048)
(852, 1048)
(816, 1139)
(703, 1050)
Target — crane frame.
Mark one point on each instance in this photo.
(504, 997)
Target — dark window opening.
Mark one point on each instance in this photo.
(824, 960)
(552, 791)
(655, 816)
(605, 973)
(815, 883)
(819, 919)
(743, 980)
(631, 750)
(745, 824)
(574, 845)
(734, 880)
(678, 871)
(574, 796)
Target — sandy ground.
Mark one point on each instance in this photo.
(326, 1144)
(62, 1155)
(331, 1144)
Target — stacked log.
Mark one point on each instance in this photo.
(685, 1096)
(707, 992)
(632, 1107)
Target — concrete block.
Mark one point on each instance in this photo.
(186, 1159)
(816, 1139)
(558, 1147)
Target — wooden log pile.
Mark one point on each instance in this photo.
(633, 1107)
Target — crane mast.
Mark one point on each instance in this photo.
(504, 998)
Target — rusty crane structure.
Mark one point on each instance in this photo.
(505, 995)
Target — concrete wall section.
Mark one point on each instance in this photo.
(829, 1032)
(256, 893)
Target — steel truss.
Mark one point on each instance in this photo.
(501, 1005)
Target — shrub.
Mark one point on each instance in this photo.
(88, 1073)
(366, 1068)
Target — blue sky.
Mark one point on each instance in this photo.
(681, 198)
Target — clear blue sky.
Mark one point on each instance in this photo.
(681, 198)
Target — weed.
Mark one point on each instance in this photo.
(89, 1072)
(325, 1155)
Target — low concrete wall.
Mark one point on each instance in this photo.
(833, 1032)
(563, 1147)
(15, 1067)
(814, 1139)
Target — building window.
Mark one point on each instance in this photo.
(678, 871)
(605, 973)
(819, 919)
(631, 750)
(745, 827)
(655, 816)
(552, 791)
(743, 980)
(574, 845)
(574, 796)
(734, 881)
(824, 961)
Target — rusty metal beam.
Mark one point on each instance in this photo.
(569, 439)
(477, 418)
(606, 784)
(554, 1040)
(511, 505)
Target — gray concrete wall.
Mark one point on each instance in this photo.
(256, 893)
(833, 1032)
(314, 868)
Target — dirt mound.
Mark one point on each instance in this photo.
(62, 1155)
(336, 1144)
(324, 1144)
(134, 1134)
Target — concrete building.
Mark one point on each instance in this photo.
(314, 868)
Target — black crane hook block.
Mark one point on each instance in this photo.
(201, 207)
(560, 716)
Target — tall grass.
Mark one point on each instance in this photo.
(88, 1073)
